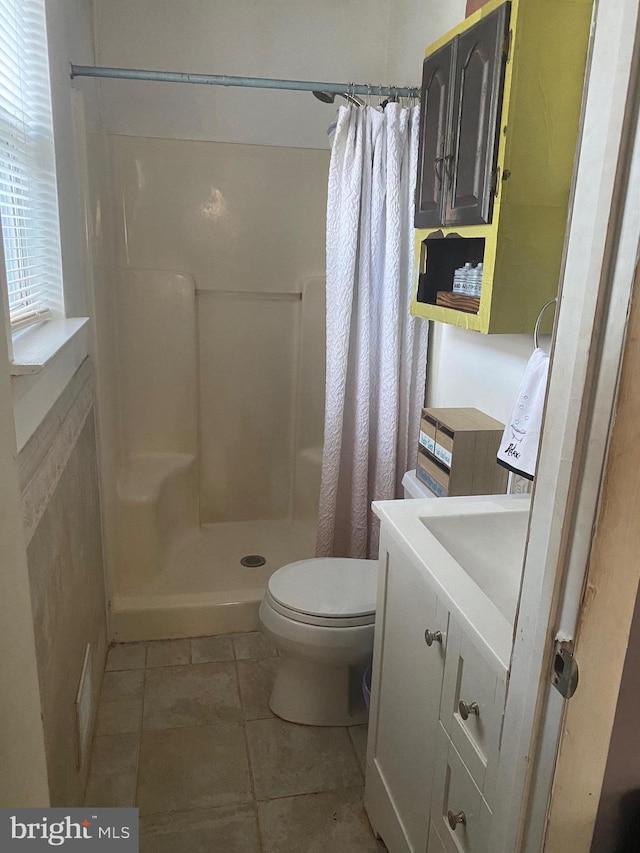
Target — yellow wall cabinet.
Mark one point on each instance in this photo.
(500, 115)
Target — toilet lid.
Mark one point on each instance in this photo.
(334, 587)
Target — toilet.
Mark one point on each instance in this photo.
(320, 614)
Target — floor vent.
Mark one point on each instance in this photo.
(253, 561)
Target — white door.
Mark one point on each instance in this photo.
(601, 253)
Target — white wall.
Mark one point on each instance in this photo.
(375, 41)
(332, 40)
(469, 369)
(413, 26)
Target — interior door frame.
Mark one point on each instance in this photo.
(600, 259)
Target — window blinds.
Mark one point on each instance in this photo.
(28, 193)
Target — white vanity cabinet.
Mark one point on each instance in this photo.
(440, 669)
(409, 655)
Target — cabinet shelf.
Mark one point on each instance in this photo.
(440, 257)
(522, 243)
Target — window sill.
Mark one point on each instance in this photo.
(36, 347)
(45, 359)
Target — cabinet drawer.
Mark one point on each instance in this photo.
(444, 446)
(456, 796)
(433, 474)
(474, 689)
(428, 429)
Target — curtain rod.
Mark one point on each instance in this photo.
(251, 82)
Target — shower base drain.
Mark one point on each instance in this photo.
(253, 561)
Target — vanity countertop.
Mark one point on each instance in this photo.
(473, 550)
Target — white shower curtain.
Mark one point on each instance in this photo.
(376, 352)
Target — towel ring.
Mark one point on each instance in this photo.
(539, 320)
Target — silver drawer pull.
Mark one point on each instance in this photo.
(431, 637)
(456, 819)
(465, 710)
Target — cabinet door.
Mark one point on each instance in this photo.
(477, 96)
(435, 109)
(407, 683)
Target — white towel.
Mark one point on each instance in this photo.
(519, 447)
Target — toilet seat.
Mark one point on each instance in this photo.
(322, 621)
(333, 592)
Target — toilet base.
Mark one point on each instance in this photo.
(315, 694)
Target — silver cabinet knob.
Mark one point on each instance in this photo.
(431, 637)
(456, 819)
(465, 710)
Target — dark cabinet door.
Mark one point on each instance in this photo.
(435, 108)
(477, 95)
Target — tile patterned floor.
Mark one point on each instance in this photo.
(185, 733)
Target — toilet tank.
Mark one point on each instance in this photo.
(413, 488)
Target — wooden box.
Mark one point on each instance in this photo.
(457, 453)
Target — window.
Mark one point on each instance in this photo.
(28, 191)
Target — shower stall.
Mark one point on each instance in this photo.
(215, 376)
(208, 262)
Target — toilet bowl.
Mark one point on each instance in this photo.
(320, 613)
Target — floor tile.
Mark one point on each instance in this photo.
(253, 645)
(168, 653)
(230, 829)
(191, 696)
(287, 759)
(358, 735)
(119, 717)
(122, 685)
(256, 682)
(110, 792)
(115, 754)
(126, 656)
(206, 649)
(331, 822)
(195, 768)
